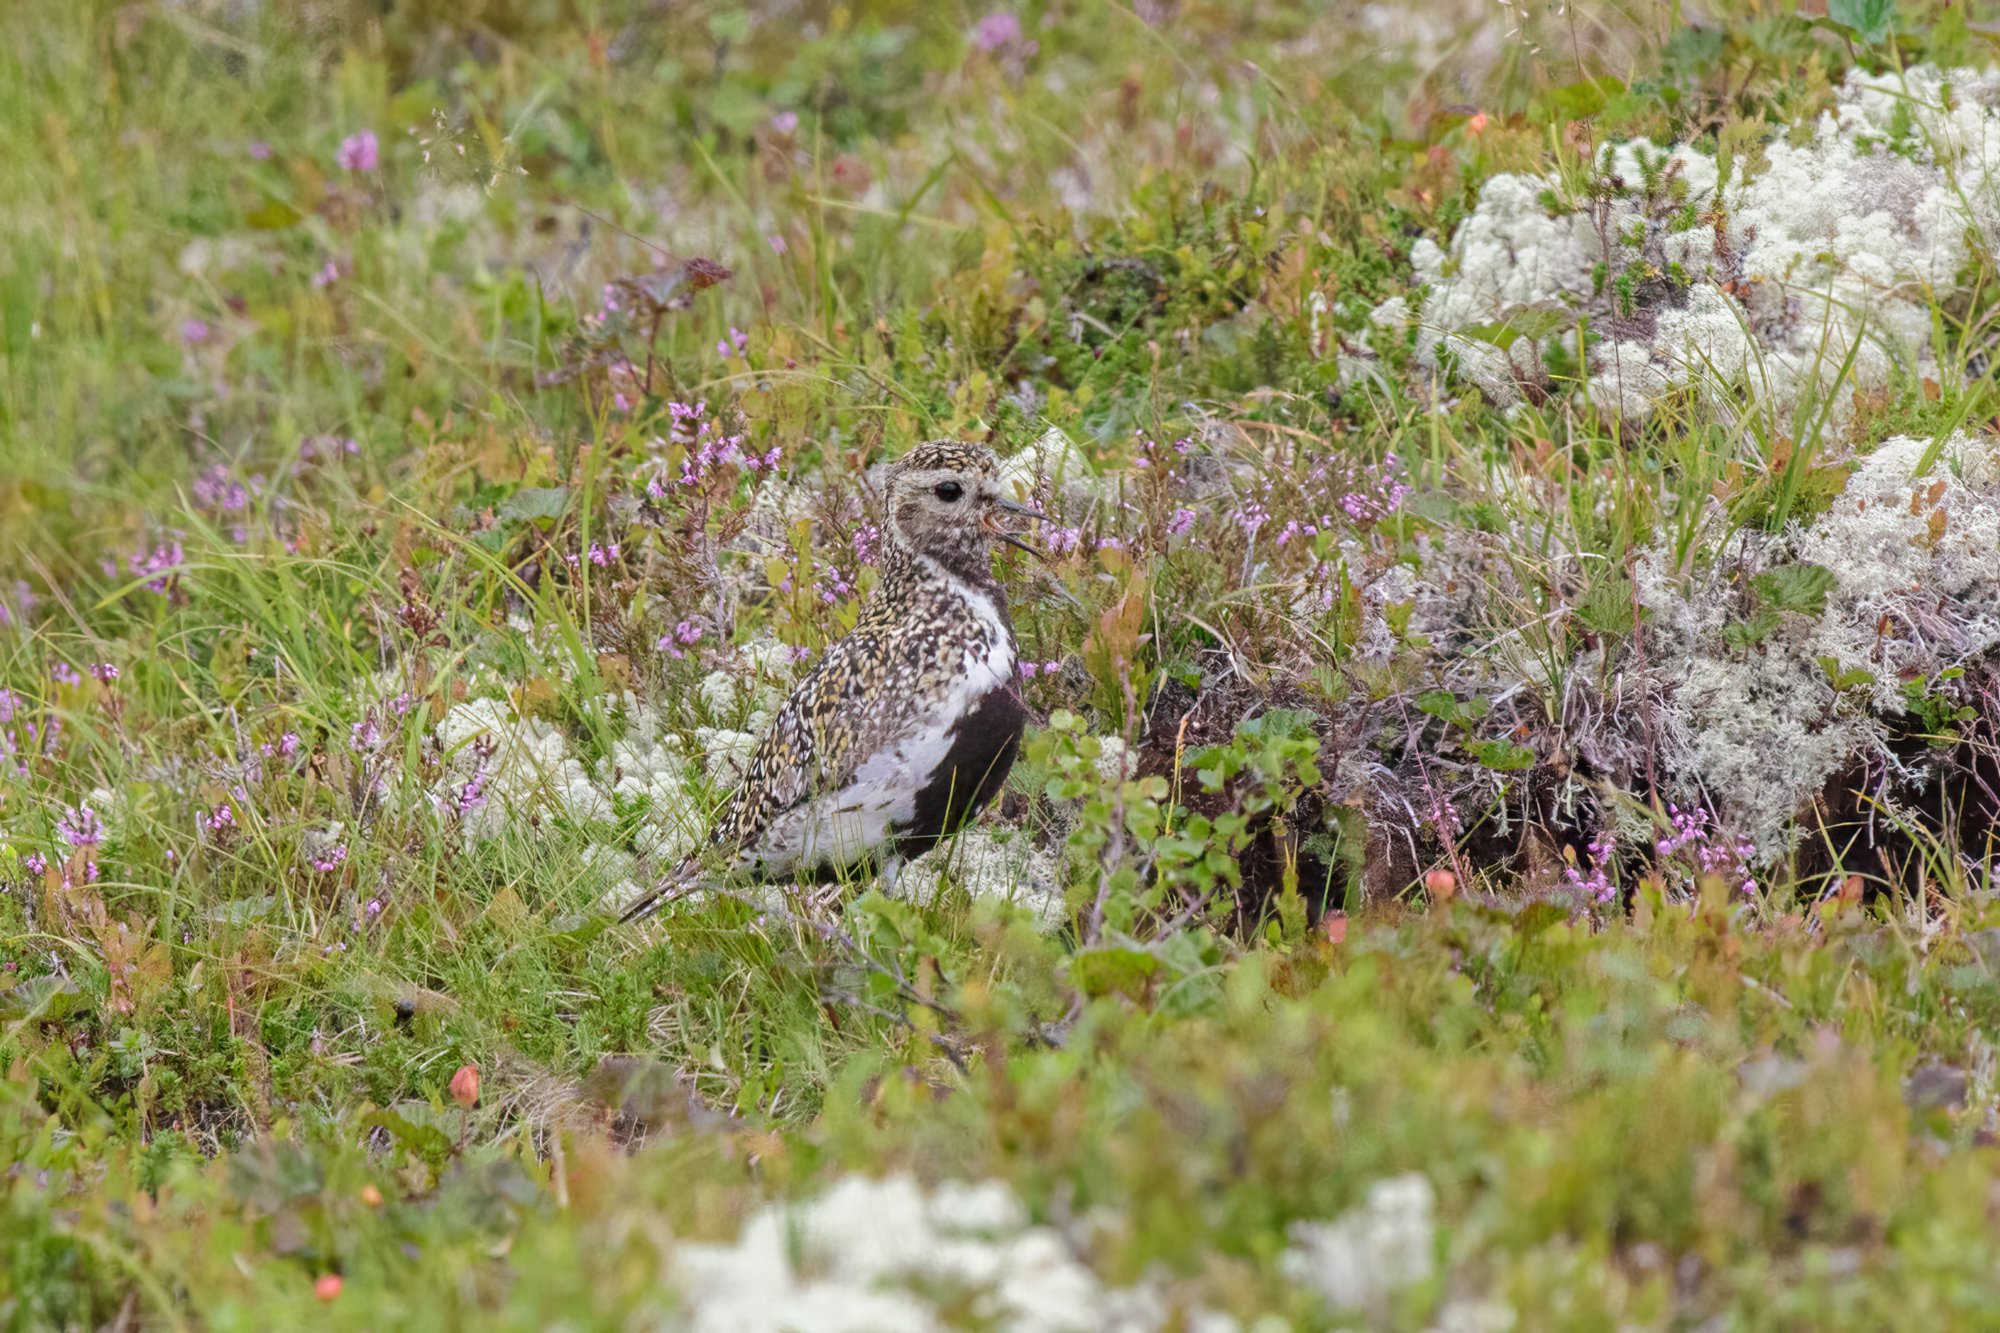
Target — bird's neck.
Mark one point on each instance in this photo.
(906, 572)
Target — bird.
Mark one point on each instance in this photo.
(904, 729)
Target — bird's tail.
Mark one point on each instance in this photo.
(666, 889)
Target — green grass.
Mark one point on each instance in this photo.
(227, 1072)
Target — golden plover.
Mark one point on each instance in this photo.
(904, 729)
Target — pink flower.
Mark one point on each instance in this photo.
(80, 827)
(259, 151)
(997, 30)
(104, 672)
(685, 635)
(327, 276)
(785, 122)
(194, 331)
(360, 152)
(867, 542)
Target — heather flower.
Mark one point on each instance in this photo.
(365, 736)
(997, 30)
(36, 863)
(216, 489)
(733, 345)
(222, 817)
(685, 635)
(330, 860)
(104, 672)
(80, 827)
(62, 673)
(867, 543)
(1597, 884)
(1251, 517)
(1062, 541)
(360, 152)
(158, 566)
(1180, 524)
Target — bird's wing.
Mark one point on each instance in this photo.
(811, 746)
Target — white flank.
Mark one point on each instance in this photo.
(844, 826)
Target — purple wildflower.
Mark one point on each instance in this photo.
(80, 827)
(259, 150)
(158, 566)
(867, 543)
(62, 673)
(359, 152)
(1597, 884)
(733, 345)
(685, 635)
(997, 30)
(36, 863)
(785, 122)
(104, 672)
(330, 860)
(194, 331)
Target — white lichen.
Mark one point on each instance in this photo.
(1365, 1256)
(1759, 730)
(1809, 275)
(887, 1256)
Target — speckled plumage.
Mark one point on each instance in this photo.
(906, 727)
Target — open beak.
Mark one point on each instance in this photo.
(991, 523)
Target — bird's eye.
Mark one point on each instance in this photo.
(948, 491)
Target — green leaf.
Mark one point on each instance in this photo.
(1801, 588)
(43, 999)
(1278, 724)
(1126, 972)
(532, 503)
(1870, 20)
(1503, 755)
(427, 1142)
(1439, 703)
(1747, 633)
(1576, 101)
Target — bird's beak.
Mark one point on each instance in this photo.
(1022, 510)
(991, 524)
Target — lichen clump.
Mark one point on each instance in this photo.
(1777, 280)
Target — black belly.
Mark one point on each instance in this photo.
(984, 744)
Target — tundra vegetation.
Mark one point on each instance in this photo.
(1508, 831)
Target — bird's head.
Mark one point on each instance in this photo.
(944, 501)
